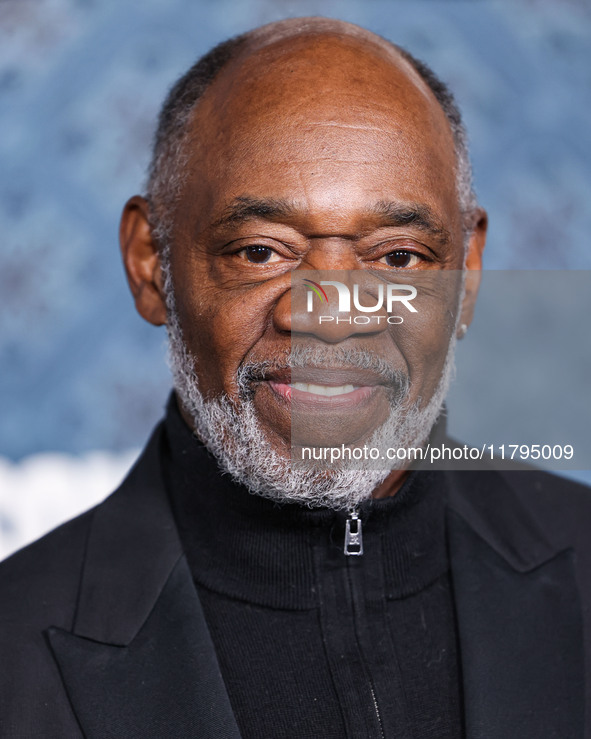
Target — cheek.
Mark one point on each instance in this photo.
(220, 329)
(424, 337)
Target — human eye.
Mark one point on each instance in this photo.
(258, 254)
(402, 259)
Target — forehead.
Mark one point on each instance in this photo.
(304, 116)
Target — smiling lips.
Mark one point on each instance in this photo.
(333, 395)
(327, 386)
(326, 390)
(321, 393)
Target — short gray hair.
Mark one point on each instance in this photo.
(169, 155)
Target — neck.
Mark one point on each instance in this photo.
(391, 484)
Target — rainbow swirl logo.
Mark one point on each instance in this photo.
(317, 289)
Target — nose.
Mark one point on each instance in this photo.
(332, 306)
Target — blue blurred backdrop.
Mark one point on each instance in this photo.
(81, 82)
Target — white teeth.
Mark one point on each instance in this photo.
(328, 390)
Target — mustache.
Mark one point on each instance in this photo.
(337, 358)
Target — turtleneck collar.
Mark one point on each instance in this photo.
(248, 547)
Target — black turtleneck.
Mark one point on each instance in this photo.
(310, 642)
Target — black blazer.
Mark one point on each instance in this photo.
(102, 634)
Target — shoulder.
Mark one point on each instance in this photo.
(49, 569)
(560, 505)
(517, 499)
(39, 582)
(41, 586)
(38, 589)
(554, 500)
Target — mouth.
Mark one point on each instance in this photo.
(324, 406)
(308, 392)
(325, 386)
(325, 390)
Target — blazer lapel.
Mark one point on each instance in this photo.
(139, 661)
(519, 621)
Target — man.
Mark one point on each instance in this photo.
(227, 589)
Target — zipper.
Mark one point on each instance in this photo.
(377, 710)
(353, 535)
(354, 548)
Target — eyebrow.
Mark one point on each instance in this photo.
(411, 214)
(245, 208)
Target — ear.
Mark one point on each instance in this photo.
(473, 266)
(142, 261)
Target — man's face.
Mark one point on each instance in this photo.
(323, 153)
(298, 156)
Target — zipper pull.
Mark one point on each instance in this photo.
(353, 536)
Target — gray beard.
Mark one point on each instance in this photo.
(232, 432)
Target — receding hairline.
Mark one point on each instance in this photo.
(312, 25)
(165, 174)
(277, 33)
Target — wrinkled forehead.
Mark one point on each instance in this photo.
(315, 110)
(326, 80)
(326, 72)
